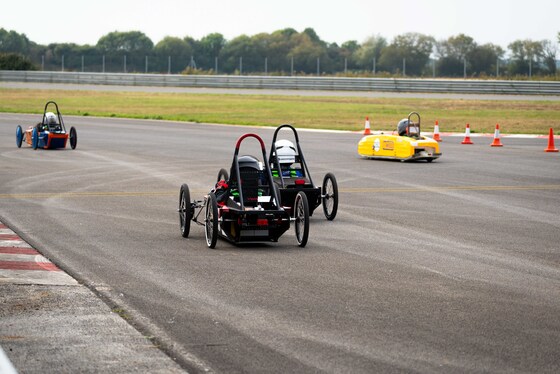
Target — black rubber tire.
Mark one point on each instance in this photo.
(185, 211)
(222, 175)
(19, 136)
(73, 138)
(301, 215)
(330, 196)
(35, 138)
(211, 220)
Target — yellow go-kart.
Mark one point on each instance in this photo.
(407, 145)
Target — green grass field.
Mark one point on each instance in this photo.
(338, 113)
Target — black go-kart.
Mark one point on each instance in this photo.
(244, 207)
(291, 175)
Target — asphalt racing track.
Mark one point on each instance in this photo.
(452, 266)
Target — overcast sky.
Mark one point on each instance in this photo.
(84, 22)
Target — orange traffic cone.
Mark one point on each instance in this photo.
(467, 139)
(550, 147)
(496, 142)
(367, 131)
(436, 132)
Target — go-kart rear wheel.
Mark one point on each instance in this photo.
(222, 175)
(19, 136)
(301, 215)
(73, 137)
(185, 212)
(330, 196)
(35, 138)
(211, 220)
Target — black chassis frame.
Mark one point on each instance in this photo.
(288, 192)
(236, 223)
(60, 121)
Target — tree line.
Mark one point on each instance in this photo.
(284, 52)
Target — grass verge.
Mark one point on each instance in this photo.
(337, 113)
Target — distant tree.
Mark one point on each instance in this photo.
(176, 48)
(525, 54)
(347, 51)
(134, 45)
(15, 61)
(306, 49)
(339, 57)
(11, 41)
(482, 59)
(416, 48)
(312, 35)
(239, 54)
(207, 49)
(127, 42)
(452, 54)
(371, 48)
(279, 46)
(549, 52)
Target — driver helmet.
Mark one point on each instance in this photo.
(50, 118)
(248, 161)
(402, 126)
(285, 151)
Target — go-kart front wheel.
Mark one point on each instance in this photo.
(301, 215)
(211, 220)
(185, 212)
(330, 196)
(73, 137)
(19, 136)
(222, 175)
(35, 138)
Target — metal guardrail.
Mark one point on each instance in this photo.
(466, 86)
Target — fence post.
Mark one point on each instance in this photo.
(62, 63)
(266, 66)
(318, 66)
(168, 64)
(530, 67)
(345, 65)
(82, 63)
(241, 65)
(292, 67)
(434, 68)
(42, 62)
(497, 67)
(146, 68)
(216, 65)
(374, 67)
(103, 63)
(464, 68)
(124, 62)
(404, 67)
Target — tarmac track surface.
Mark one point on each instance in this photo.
(452, 266)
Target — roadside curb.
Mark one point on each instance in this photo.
(49, 322)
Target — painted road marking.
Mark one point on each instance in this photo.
(450, 188)
(22, 264)
(42, 195)
(28, 265)
(18, 250)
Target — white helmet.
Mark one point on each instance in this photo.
(50, 118)
(285, 151)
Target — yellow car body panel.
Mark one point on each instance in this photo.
(397, 147)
